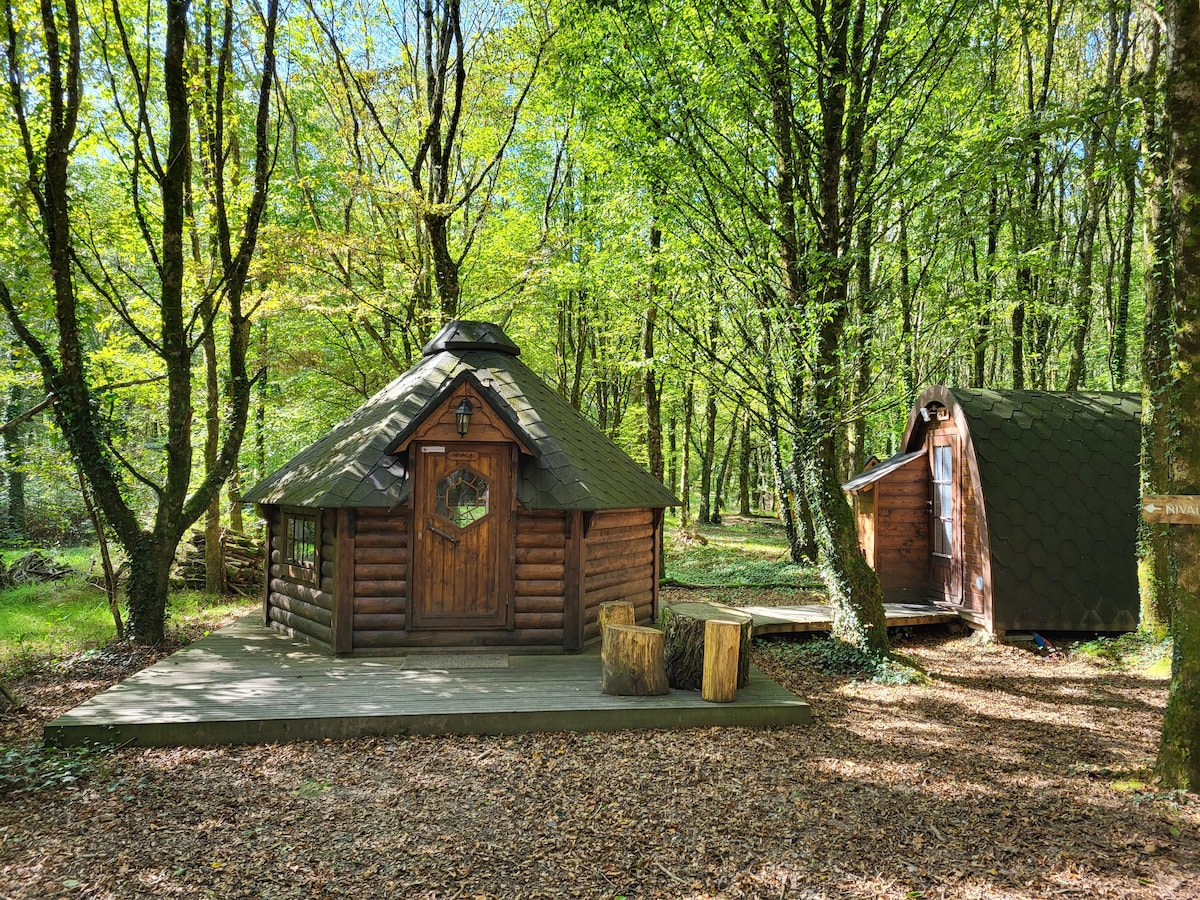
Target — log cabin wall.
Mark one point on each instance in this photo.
(380, 583)
(299, 598)
(540, 573)
(619, 564)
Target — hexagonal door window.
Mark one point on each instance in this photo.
(462, 497)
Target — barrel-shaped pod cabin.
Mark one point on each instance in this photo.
(1017, 509)
(465, 504)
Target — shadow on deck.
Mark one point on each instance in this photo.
(248, 684)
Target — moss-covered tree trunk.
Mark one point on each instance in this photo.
(1153, 568)
(1179, 751)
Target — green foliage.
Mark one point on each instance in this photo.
(1136, 651)
(32, 767)
(841, 660)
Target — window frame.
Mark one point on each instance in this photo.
(300, 567)
(944, 516)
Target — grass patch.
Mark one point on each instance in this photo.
(1134, 652)
(54, 620)
(50, 620)
(741, 552)
(841, 660)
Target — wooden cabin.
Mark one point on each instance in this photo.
(464, 504)
(1018, 509)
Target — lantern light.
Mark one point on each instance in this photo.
(462, 416)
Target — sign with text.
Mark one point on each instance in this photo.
(1172, 509)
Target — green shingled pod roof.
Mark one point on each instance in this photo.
(1059, 478)
(574, 465)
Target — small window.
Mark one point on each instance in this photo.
(943, 500)
(462, 497)
(300, 541)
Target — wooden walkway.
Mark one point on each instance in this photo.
(247, 684)
(812, 617)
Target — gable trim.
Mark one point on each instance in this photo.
(438, 400)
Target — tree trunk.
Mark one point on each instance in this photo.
(654, 429)
(744, 453)
(1179, 751)
(235, 502)
(683, 630)
(708, 456)
(13, 523)
(106, 566)
(672, 452)
(214, 559)
(685, 462)
(723, 472)
(631, 661)
(146, 591)
(865, 311)
(1154, 572)
(855, 596)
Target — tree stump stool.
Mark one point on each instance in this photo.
(683, 627)
(721, 657)
(631, 661)
(616, 612)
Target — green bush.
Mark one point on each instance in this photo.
(841, 660)
(33, 767)
(1136, 650)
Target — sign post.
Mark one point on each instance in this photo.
(1172, 509)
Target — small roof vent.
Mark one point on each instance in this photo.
(461, 335)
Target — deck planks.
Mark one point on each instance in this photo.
(813, 617)
(247, 684)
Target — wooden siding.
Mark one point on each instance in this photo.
(294, 603)
(540, 576)
(864, 518)
(619, 564)
(380, 583)
(901, 531)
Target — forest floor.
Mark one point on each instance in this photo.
(1003, 775)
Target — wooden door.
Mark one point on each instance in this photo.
(462, 555)
(945, 523)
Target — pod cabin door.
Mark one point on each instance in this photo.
(462, 555)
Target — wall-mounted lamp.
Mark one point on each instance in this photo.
(924, 414)
(462, 416)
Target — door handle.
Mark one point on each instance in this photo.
(451, 538)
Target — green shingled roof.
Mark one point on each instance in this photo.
(1059, 477)
(575, 466)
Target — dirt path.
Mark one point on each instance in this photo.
(1007, 776)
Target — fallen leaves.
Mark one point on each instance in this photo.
(996, 779)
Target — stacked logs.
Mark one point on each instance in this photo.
(243, 563)
(33, 567)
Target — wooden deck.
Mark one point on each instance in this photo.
(247, 684)
(814, 616)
